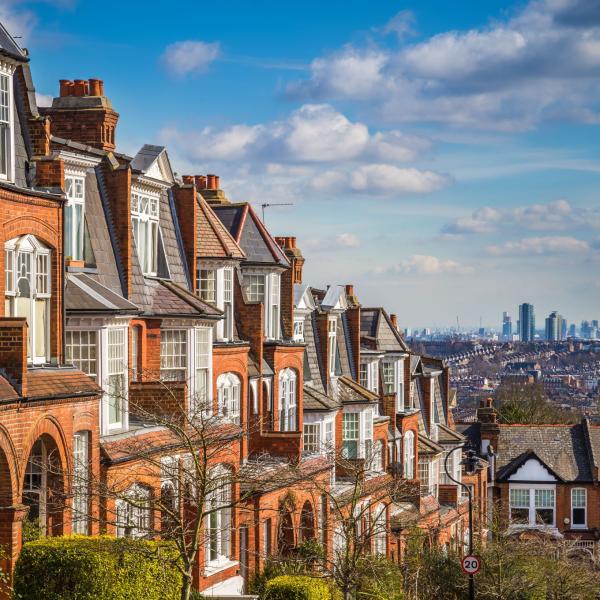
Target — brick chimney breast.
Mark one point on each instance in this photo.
(82, 113)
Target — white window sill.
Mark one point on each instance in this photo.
(218, 566)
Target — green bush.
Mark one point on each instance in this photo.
(96, 568)
(297, 587)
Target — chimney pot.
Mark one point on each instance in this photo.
(66, 87)
(349, 290)
(81, 87)
(217, 182)
(481, 403)
(394, 320)
(489, 402)
(95, 87)
(188, 179)
(210, 182)
(200, 182)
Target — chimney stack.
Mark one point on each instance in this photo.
(294, 255)
(394, 320)
(13, 352)
(82, 113)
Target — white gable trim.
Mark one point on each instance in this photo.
(532, 470)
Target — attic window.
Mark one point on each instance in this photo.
(74, 217)
(6, 134)
(144, 218)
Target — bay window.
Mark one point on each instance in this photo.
(228, 304)
(266, 288)
(116, 376)
(578, 508)
(173, 354)
(377, 460)
(81, 475)
(82, 351)
(74, 217)
(201, 397)
(274, 308)
(6, 133)
(389, 377)
(364, 375)
(532, 506)
(428, 476)
(312, 437)
(207, 285)
(228, 395)
(350, 435)
(255, 287)
(218, 521)
(287, 400)
(144, 218)
(28, 291)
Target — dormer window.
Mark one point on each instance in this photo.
(28, 291)
(6, 133)
(266, 288)
(74, 217)
(331, 345)
(144, 218)
(207, 285)
(299, 330)
(215, 286)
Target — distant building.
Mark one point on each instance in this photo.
(563, 329)
(554, 327)
(506, 326)
(572, 330)
(526, 322)
(589, 331)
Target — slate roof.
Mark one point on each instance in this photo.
(428, 447)
(449, 436)
(348, 391)
(214, 240)
(250, 234)
(318, 401)
(377, 328)
(85, 294)
(563, 448)
(9, 46)
(52, 382)
(171, 299)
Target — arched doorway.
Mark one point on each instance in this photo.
(307, 523)
(43, 490)
(285, 535)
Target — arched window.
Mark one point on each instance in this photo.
(228, 394)
(218, 520)
(133, 512)
(287, 400)
(28, 291)
(409, 455)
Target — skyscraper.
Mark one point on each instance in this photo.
(572, 330)
(526, 322)
(554, 327)
(506, 326)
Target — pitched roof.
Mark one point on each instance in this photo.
(169, 299)
(9, 46)
(428, 447)
(214, 240)
(318, 401)
(563, 448)
(376, 326)
(348, 391)
(447, 435)
(250, 234)
(82, 293)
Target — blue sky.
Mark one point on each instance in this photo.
(443, 157)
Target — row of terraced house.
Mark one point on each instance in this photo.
(121, 279)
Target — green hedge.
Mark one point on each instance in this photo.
(297, 587)
(96, 568)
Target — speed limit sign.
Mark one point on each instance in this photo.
(471, 564)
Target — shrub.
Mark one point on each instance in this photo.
(96, 568)
(290, 587)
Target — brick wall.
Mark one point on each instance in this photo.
(13, 352)
(187, 212)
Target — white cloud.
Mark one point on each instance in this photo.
(558, 215)
(389, 179)
(190, 57)
(18, 21)
(348, 239)
(540, 64)
(401, 25)
(541, 246)
(43, 99)
(430, 265)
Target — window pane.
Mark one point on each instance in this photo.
(173, 354)
(81, 351)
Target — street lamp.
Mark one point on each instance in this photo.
(472, 464)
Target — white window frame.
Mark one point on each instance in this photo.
(299, 329)
(288, 402)
(82, 350)
(134, 520)
(389, 367)
(261, 286)
(7, 117)
(331, 344)
(311, 437)
(380, 531)
(145, 221)
(28, 255)
(174, 353)
(351, 434)
(575, 491)
(80, 516)
(201, 390)
(409, 454)
(206, 285)
(229, 394)
(74, 227)
(116, 367)
(532, 488)
(219, 519)
(369, 374)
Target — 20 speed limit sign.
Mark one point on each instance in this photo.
(471, 564)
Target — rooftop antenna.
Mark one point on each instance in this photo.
(267, 205)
